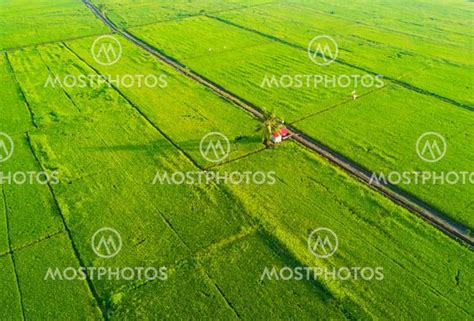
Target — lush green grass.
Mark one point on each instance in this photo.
(372, 231)
(34, 219)
(149, 11)
(11, 307)
(49, 299)
(187, 294)
(182, 109)
(107, 157)
(117, 146)
(216, 240)
(382, 136)
(377, 130)
(4, 245)
(240, 61)
(237, 267)
(29, 221)
(431, 49)
(15, 117)
(24, 23)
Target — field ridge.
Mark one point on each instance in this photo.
(17, 279)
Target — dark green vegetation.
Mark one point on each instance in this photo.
(107, 144)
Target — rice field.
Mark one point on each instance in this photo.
(89, 156)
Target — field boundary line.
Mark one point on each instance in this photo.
(21, 92)
(17, 278)
(75, 250)
(236, 159)
(12, 49)
(139, 111)
(33, 243)
(345, 63)
(339, 104)
(56, 76)
(227, 301)
(450, 227)
(379, 28)
(193, 15)
(245, 232)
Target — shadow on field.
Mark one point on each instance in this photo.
(164, 145)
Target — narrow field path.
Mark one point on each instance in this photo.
(13, 255)
(404, 199)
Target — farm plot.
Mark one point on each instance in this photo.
(234, 268)
(148, 11)
(371, 231)
(186, 294)
(439, 60)
(24, 23)
(381, 131)
(28, 221)
(11, 305)
(107, 159)
(398, 109)
(108, 143)
(31, 226)
(237, 267)
(181, 101)
(44, 299)
(118, 149)
(447, 22)
(268, 74)
(14, 118)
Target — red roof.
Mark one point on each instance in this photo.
(284, 131)
(276, 134)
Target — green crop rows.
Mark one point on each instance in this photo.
(107, 142)
(379, 131)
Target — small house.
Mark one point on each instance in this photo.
(276, 137)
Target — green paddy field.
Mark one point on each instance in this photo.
(103, 144)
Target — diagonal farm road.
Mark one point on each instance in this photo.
(437, 219)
